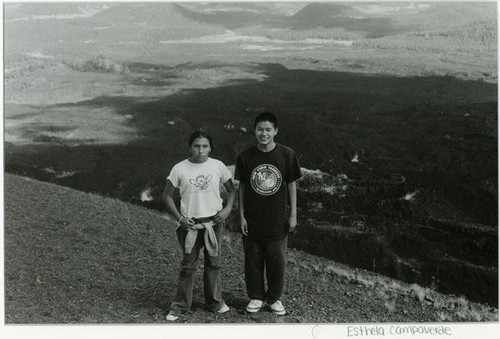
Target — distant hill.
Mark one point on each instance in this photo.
(115, 22)
(150, 14)
(232, 15)
(461, 12)
(330, 15)
(47, 10)
(433, 17)
(132, 23)
(257, 8)
(152, 21)
(449, 15)
(320, 11)
(31, 9)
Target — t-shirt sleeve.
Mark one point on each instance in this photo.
(294, 172)
(225, 173)
(174, 177)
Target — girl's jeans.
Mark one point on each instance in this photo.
(211, 274)
(268, 255)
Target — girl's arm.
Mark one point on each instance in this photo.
(168, 197)
(224, 213)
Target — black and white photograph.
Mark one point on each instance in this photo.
(252, 163)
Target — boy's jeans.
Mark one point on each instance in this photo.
(272, 256)
(211, 274)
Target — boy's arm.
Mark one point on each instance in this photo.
(292, 194)
(243, 221)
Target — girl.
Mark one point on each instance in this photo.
(200, 221)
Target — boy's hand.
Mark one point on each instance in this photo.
(244, 226)
(292, 221)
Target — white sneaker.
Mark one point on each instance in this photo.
(254, 305)
(223, 309)
(171, 317)
(277, 308)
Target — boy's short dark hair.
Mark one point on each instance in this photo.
(266, 116)
(201, 134)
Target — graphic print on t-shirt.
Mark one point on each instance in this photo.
(201, 181)
(266, 179)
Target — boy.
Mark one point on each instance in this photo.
(267, 173)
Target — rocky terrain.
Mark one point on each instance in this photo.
(78, 258)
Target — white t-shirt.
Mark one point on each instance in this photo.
(198, 185)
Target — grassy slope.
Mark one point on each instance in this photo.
(72, 257)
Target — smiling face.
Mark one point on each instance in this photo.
(200, 149)
(265, 133)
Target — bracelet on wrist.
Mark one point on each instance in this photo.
(179, 221)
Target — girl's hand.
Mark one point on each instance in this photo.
(221, 215)
(187, 223)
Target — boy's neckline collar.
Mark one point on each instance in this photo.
(267, 151)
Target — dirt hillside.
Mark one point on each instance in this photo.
(79, 258)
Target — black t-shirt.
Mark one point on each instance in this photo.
(266, 176)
